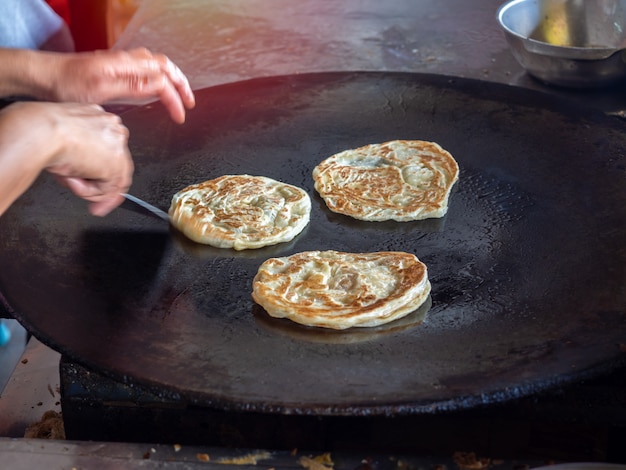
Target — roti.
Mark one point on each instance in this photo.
(240, 212)
(399, 180)
(339, 290)
(296, 332)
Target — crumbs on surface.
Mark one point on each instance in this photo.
(320, 462)
(203, 457)
(469, 461)
(49, 427)
(249, 459)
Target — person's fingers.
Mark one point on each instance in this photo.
(104, 207)
(105, 76)
(171, 99)
(178, 78)
(162, 63)
(156, 75)
(159, 86)
(103, 198)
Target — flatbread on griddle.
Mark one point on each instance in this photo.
(240, 211)
(339, 290)
(400, 180)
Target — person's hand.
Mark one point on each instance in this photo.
(94, 161)
(85, 147)
(103, 76)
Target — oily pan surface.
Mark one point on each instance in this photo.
(528, 267)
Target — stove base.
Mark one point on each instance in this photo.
(582, 423)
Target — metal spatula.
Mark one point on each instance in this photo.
(147, 207)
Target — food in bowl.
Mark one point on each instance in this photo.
(573, 43)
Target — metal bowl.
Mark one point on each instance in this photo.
(574, 43)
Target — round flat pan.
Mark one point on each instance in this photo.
(528, 268)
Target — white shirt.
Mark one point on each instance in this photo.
(32, 24)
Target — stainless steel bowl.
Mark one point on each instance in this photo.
(574, 43)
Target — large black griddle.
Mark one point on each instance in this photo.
(528, 268)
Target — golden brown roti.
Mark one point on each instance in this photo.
(240, 211)
(399, 180)
(340, 290)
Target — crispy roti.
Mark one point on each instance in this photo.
(240, 211)
(339, 290)
(400, 180)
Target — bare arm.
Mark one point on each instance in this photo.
(96, 77)
(83, 146)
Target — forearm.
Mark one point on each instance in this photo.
(16, 175)
(27, 73)
(21, 159)
(17, 171)
(83, 146)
